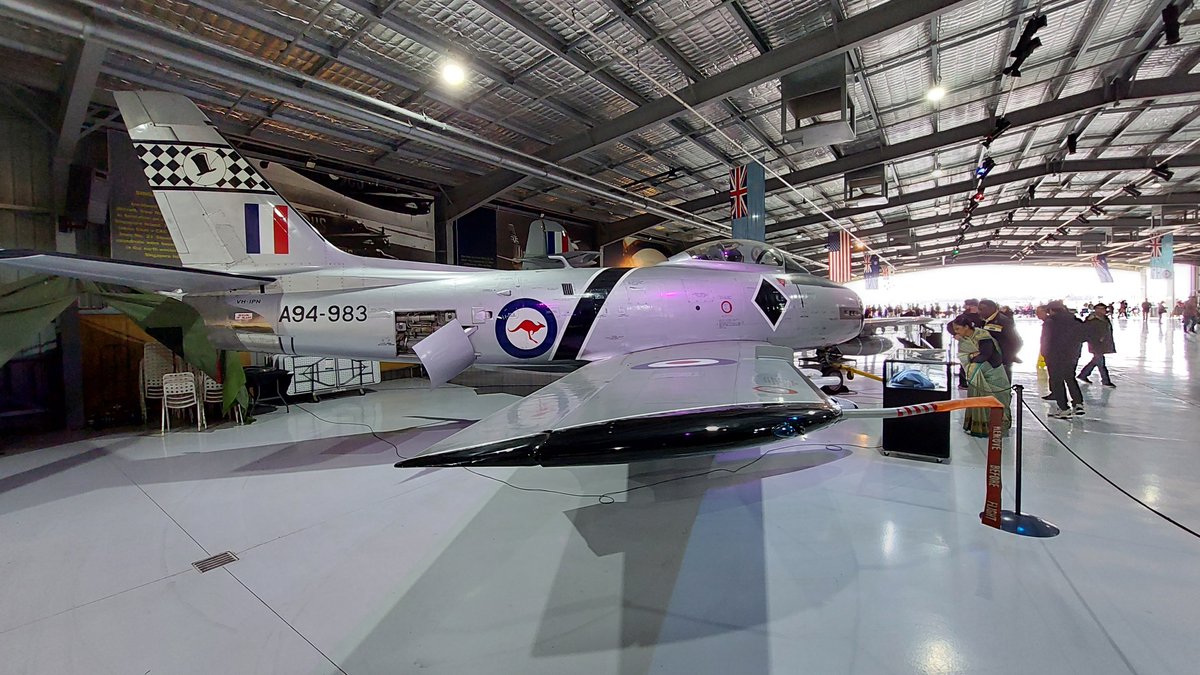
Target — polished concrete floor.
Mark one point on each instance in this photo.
(819, 558)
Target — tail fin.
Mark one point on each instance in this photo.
(221, 212)
(546, 238)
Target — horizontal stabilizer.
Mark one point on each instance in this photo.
(145, 276)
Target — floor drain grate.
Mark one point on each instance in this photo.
(212, 563)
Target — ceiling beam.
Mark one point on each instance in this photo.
(781, 228)
(869, 25)
(551, 42)
(84, 70)
(1180, 199)
(1126, 69)
(1043, 112)
(985, 234)
(1075, 250)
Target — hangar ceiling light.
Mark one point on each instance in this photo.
(936, 93)
(453, 73)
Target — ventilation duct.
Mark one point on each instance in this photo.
(818, 91)
(865, 187)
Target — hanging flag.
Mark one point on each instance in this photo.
(737, 193)
(871, 271)
(839, 256)
(1100, 263)
(747, 202)
(1162, 256)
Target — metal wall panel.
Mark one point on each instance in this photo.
(25, 200)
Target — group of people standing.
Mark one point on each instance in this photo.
(1063, 336)
(988, 344)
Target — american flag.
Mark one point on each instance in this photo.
(1156, 247)
(737, 193)
(839, 256)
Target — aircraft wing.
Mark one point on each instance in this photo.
(139, 275)
(665, 402)
(873, 325)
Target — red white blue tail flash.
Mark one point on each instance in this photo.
(557, 242)
(266, 229)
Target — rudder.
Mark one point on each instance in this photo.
(221, 212)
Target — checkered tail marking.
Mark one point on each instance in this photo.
(191, 166)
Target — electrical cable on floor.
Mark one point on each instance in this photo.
(1108, 480)
(364, 425)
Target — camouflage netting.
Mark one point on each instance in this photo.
(28, 306)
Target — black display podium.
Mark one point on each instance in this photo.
(910, 383)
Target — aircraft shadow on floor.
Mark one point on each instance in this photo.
(310, 455)
(646, 577)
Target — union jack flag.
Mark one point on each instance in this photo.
(839, 256)
(1156, 247)
(738, 208)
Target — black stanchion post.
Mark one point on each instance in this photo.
(1019, 394)
(1015, 521)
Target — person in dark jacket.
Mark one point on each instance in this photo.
(1099, 332)
(1002, 327)
(1063, 348)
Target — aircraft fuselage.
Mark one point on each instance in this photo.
(542, 317)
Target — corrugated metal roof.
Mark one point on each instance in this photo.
(536, 77)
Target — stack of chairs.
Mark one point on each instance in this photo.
(157, 361)
(179, 393)
(166, 379)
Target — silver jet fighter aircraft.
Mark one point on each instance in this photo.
(690, 356)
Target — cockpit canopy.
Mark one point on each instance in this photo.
(742, 251)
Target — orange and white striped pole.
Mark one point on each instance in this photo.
(991, 505)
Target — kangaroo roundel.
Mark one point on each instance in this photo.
(526, 328)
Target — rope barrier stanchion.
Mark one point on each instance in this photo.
(1015, 521)
(992, 515)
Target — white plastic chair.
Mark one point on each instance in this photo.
(179, 393)
(214, 393)
(157, 361)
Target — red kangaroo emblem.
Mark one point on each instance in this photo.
(530, 328)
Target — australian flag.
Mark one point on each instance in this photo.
(871, 274)
(1100, 263)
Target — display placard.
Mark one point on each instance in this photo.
(137, 232)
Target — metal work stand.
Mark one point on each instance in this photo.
(1014, 521)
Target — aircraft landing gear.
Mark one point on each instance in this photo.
(830, 363)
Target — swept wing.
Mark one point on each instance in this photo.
(139, 275)
(666, 402)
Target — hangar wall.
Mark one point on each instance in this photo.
(26, 214)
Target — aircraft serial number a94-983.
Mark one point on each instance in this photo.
(689, 356)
